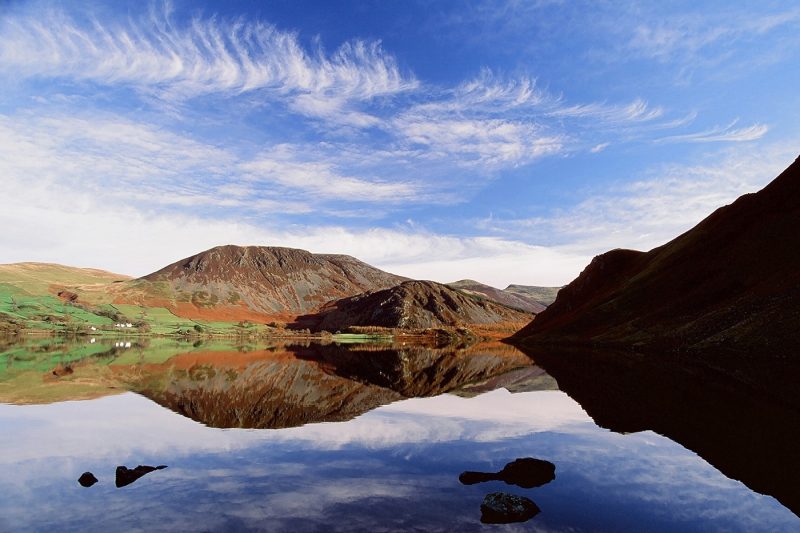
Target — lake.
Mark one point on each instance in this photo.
(301, 436)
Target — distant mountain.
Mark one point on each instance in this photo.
(730, 285)
(516, 301)
(542, 295)
(416, 305)
(261, 279)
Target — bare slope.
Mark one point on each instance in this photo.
(515, 301)
(416, 305)
(45, 278)
(542, 295)
(729, 285)
(264, 280)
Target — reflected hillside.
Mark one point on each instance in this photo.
(299, 384)
(413, 370)
(260, 389)
(274, 386)
(749, 437)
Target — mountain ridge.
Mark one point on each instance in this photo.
(730, 283)
(521, 301)
(415, 305)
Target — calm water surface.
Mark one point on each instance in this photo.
(306, 437)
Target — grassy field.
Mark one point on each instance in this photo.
(360, 338)
(47, 313)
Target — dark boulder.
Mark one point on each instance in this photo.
(527, 472)
(87, 479)
(126, 476)
(504, 508)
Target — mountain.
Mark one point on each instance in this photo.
(259, 279)
(515, 301)
(729, 286)
(541, 295)
(416, 305)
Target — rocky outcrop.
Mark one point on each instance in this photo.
(527, 473)
(504, 508)
(125, 476)
(87, 479)
(416, 305)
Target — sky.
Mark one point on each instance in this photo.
(504, 141)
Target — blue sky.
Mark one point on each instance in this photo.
(503, 141)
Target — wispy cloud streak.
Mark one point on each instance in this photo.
(204, 56)
(722, 134)
(636, 111)
(121, 161)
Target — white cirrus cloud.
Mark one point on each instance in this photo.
(209, 55)
(123, 162)
(727, 133)
(698, 35)
(492, 121)
(284, 165)
(484, 141)
(636, 111)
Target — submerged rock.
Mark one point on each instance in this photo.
(504, 508)
(87, 479)
(126, 476)
(527, 472)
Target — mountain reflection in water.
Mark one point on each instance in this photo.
(392, 458)
(300, 384)
(749, 437)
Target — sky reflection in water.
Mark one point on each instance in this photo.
(393, 468)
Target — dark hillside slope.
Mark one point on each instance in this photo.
(416, 305)
(730, 285)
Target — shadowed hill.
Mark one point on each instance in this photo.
(729, 285)
(416, 305)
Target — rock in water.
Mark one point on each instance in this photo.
(126, 476)
(87, 479)
(527, 472)
(504, 508)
